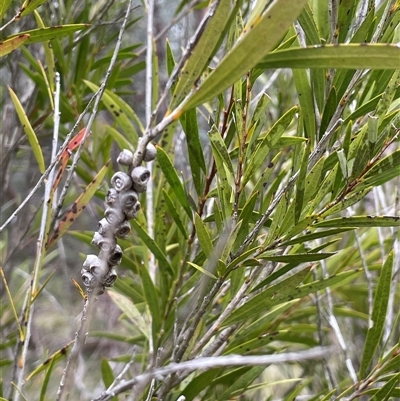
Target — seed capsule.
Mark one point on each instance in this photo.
(140, 176)
(121, 181)
(150, 153)
(133, 211)
(110, 277)
(123, 230)
(112, 197)
(125, 158)
(114, 215)
(105, 243)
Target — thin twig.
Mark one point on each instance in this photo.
(80, 338)
(31, 293)
(216, 362)
(148, 108)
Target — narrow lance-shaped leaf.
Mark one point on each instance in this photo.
(48, 51)
(264, 299)
(153, 247)
(284, 291)
(378, 316)
(195, 151)
(32, 138)
(29, 5)
(175, 215)
(121, 111)
(79, 205)
(268, 141)
(350, 56)
(250, 48)
(203, 236)
(209, 34)
(55, 357)
(361, 221)
(387, 389)
(383, 171)
(131, 311)
(303, 88)
(107, 374)
(8, 45)
(50, 32)
(152, 298)
(172, 177)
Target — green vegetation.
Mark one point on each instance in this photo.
(263, 263)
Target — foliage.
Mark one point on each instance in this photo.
(265, 261)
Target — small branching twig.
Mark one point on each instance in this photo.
(217, 362)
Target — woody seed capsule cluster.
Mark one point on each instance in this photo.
(123, 205)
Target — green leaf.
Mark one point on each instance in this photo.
(360, 221)
(203, 236)
(316, 235)
(152, 297)
(378, 316)
(284, 291)
(303, 89)
(10, 44)
(122, 112)
(242, 382)
(345, 56)
(48, 51)
(347, 201)
(195, 151)
(224, 176)
(4, 6)
(46, 380)
(219, 145)
(32, 138)
(202, 270)
(172, 208)
(29, 5)
(273, 295)
(153, 247)
(268, 28)
(211, 31)
(268, 141)
(49, 33)
(297, 258)
(107, 374)
(386, 391)
(131, 311)
(173, 179)
(383, 171)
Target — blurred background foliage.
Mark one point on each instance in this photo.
(272, 220)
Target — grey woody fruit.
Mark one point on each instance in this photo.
(88, 278)
(110, 277)
(140, 177)
(114, 215)
(104, 227)
(150, 153)
(123, 229)
(125, 158)
(115, 256)
(112, 197)
(96, 266)
(128, 199)
(133, 211)
(105, 243)
(121, 181)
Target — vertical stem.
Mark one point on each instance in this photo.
(148, 106)
(40, 251)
